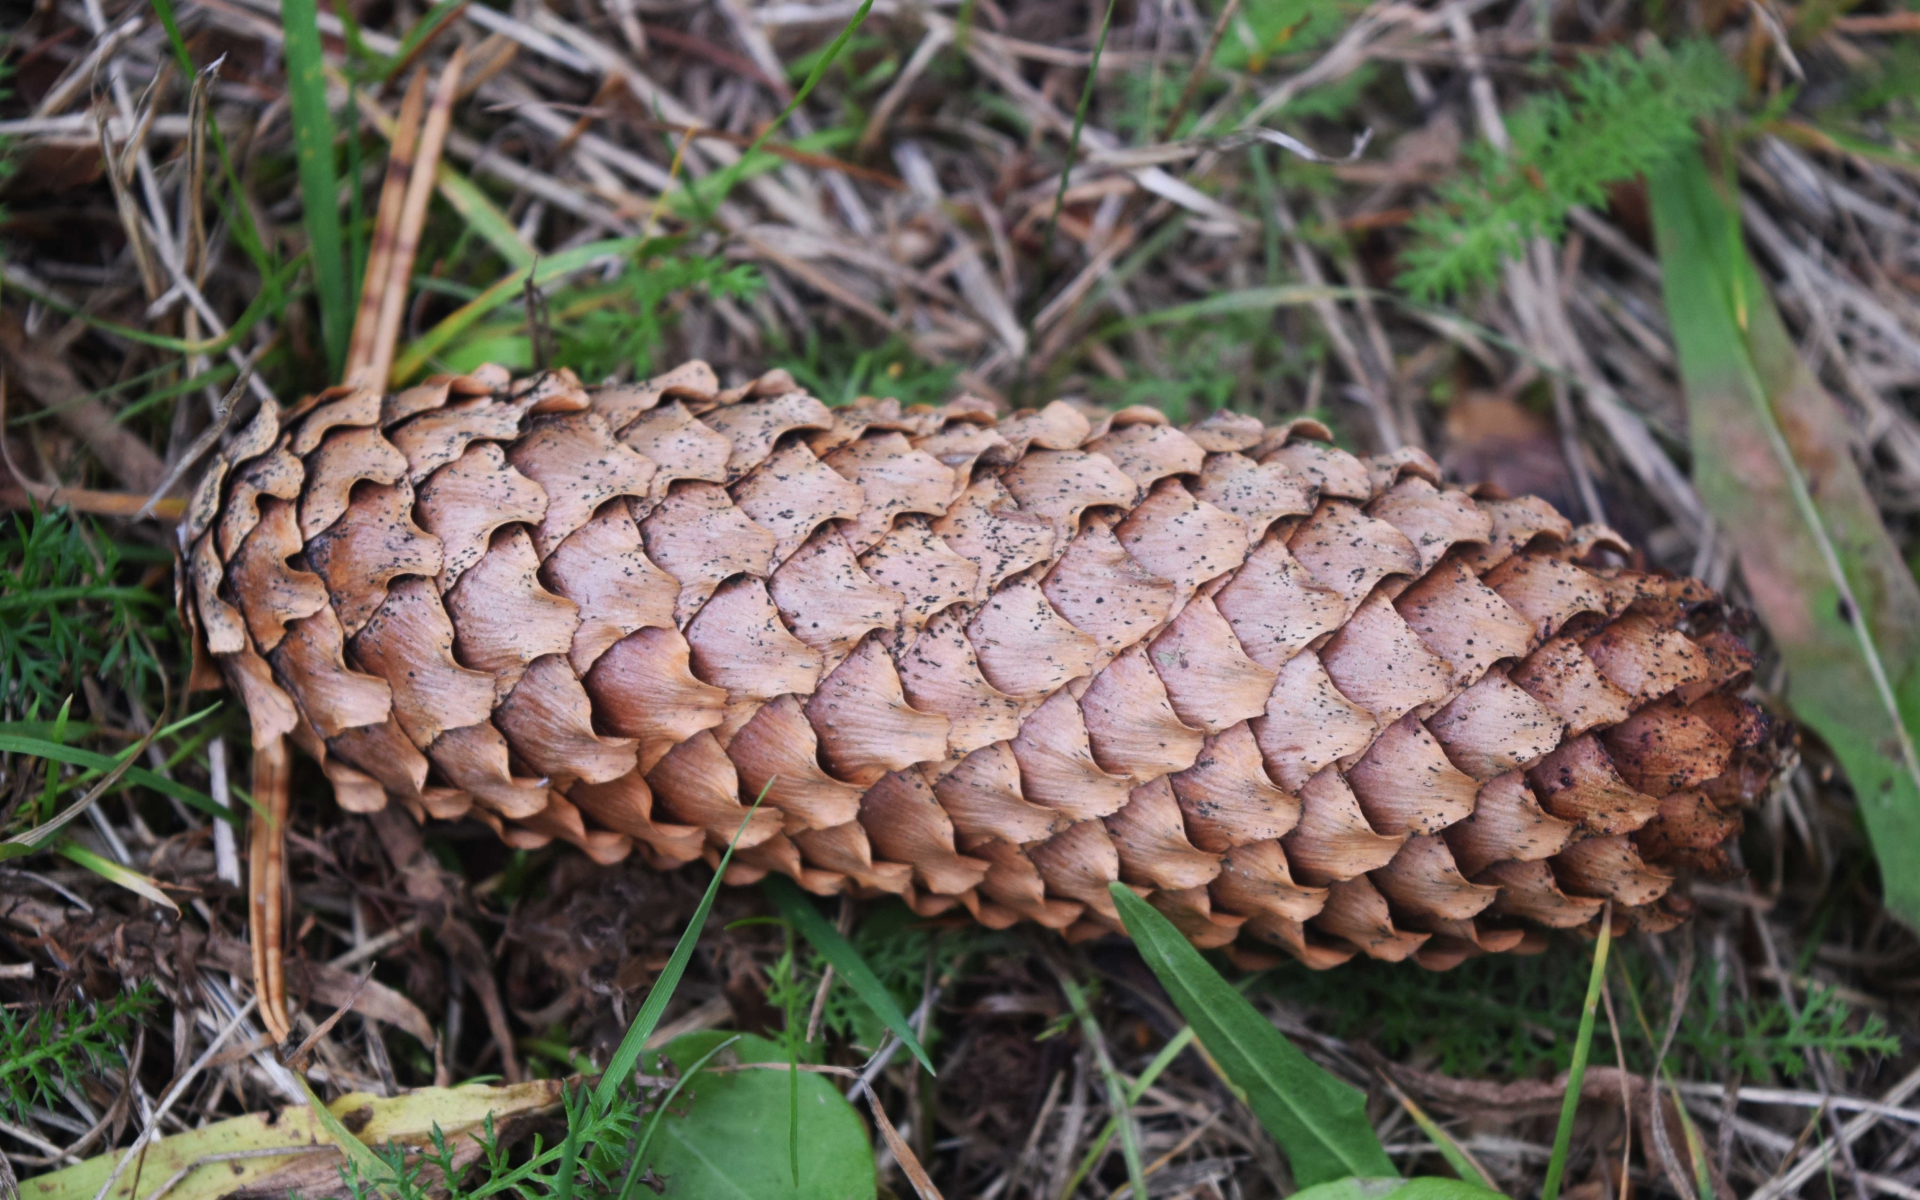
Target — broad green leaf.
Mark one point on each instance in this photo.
(1427, 1187)
(1774, 464)
(1319, 1122)
(725, 1138)
(853, 969)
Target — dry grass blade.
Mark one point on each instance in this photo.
(267, 883)
(395, 288)
(923, 1185)
(386, 229)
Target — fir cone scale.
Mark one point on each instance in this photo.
(1300, 700)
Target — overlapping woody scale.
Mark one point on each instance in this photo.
(1296, 698)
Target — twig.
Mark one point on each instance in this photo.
(902, 1153)
(936, 38)
(375, 945)
(297, 1060)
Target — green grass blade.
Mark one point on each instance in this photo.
(724, 182)
(1255, 299)
(575, 1103)
(1773, 461)
(627, 1055)
(1427, 1187)
(50, 790)
(1464, 1164)
(319, 183)
(1116, 1087)
(422, 29)
(25, 843)
(1160, 1063)
(74, 756)
(1319, 1122)
(483, 216)
(113, 872)
(513, 287)
(847, 962)
(1079, 124)
(261, 306)
(1577, 1072)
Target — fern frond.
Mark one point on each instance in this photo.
(1621, 115)
(43, 1055)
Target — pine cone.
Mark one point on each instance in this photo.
(1297, 698)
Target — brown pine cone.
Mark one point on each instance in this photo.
(1297, 698)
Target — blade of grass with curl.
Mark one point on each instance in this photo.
(141, 885)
